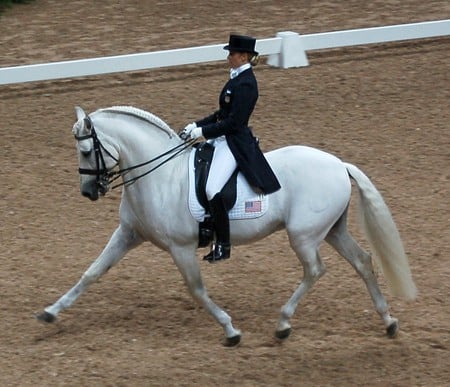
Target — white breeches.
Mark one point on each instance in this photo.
(223, 165)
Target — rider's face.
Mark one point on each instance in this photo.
(236, 59)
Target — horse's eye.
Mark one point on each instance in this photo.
(86, 153)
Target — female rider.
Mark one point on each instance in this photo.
(235, 145)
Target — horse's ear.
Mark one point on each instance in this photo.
(80, 113)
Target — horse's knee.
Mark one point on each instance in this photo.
(96, 270)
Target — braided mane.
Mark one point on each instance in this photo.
(141, 114)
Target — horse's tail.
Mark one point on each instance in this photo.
(383, 236)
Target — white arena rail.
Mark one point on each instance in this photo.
(287, 49)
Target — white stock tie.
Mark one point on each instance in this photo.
(234, 73)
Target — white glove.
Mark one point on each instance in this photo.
(196, 133)
(188, 128)
(185, 133)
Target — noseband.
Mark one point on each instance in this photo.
(105, 176)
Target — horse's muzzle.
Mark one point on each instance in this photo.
(89, 189)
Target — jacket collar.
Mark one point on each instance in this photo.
(235, 72)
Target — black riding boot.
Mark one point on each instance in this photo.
(221, 249)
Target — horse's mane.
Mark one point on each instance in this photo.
(140, 114)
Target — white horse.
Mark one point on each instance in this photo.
(312, 206)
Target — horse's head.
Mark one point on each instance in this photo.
(96, 157)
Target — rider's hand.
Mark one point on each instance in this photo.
(188, 128)
(185, 133)
(196, 133)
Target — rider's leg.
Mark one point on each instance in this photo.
(222, 247)
(222, 167)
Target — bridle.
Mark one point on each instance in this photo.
(105, 176)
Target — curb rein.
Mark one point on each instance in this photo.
(105, 176)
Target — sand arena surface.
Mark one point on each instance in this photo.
(385, 108)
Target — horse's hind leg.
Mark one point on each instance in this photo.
(345, 245)
(120, 243)
(313, 269)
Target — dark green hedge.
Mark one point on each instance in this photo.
(9, 3)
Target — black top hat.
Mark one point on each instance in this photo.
(241, 43)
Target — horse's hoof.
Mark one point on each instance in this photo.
(284, 334)
(392, 329)
(46, 317)
(232, 341)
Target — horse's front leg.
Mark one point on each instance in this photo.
(122, 240)
(186, 261)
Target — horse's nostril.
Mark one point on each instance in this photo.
(90, 195)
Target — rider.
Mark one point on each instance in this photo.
(235, 145)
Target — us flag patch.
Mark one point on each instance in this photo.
(253, 206)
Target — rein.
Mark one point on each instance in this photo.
(175, 150)
(105, 177)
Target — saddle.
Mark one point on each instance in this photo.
(202, 164)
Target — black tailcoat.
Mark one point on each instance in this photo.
(236, 103)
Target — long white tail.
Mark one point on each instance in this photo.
(383, 236)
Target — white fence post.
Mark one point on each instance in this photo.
(292, 53)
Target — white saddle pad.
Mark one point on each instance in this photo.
(248, 203)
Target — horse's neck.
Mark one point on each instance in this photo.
(136, 141)
(141, 142)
